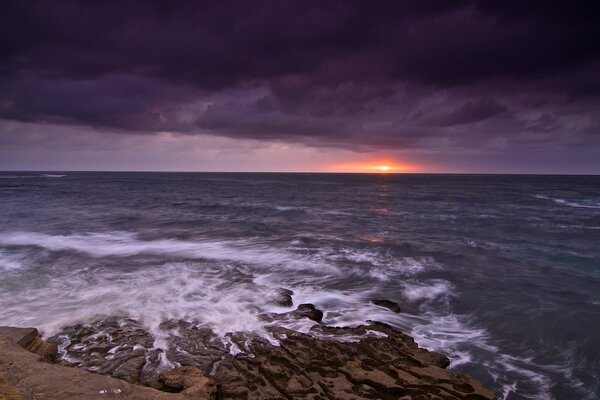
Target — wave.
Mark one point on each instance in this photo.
(10, 261)
(579, 227)
(379, 263)
(17, 176)
(468, 345)
(578, 203)
(226, 285)
(125, 244)
(368, 264)
(31, 176)
(219, 297)
(428, 291)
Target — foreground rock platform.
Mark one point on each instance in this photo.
(30, 339)
(372, 361)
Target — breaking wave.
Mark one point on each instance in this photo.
(593, 202)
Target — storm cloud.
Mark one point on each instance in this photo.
(456, 77)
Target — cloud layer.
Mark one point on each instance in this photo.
(455, 78)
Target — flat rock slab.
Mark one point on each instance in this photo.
(21, 336)
(30, 340)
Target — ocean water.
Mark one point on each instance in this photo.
(501, 273)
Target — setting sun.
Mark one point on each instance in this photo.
(385, 167)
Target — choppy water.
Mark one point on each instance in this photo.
(501, 273)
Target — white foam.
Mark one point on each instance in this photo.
(579, 227)
(226, 285)
(378, 264)
(465, 343)
(428, 290)
(17, 176)
(286, 208)
(124, 244)
(172, 291)
(11, 261)
(581, 203)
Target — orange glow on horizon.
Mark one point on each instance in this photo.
(381, 167)
(384, 168)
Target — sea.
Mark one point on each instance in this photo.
(499, 272)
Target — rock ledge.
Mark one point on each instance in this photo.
(373, 361)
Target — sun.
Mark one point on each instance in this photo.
(383, 168)
(373, 167)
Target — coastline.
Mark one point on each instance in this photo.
(373, 361)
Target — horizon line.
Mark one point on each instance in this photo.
(305, 172)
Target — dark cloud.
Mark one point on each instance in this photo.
(354, 74)
(470, 112)
(113, 101)
(219, 43)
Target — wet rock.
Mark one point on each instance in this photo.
(282, 298)
(201, 347)
(130, 370)
(308, 311)
(367, 362)
(371, 361)
(112, 346)
(393, 306)
(191, 380)
(47, 350)
(439, 360)
(30, 340)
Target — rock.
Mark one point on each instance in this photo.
(191, 380)
(21, 336)
(439, 360)
(30, 340)
(387, 304)
(113, 346)
(308, 311)
(130, 370)
(371, 361)
(282, 298)
(47, 350)
(24, 376)
(202, 347)
(386, 365)
(9, 392)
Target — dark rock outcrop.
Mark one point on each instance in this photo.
(372, 361)
(282, 297)
(114, 347)
(308, 311)
(393, 306)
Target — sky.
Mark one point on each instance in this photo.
(313, 86)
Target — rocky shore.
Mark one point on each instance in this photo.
(118, 358)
